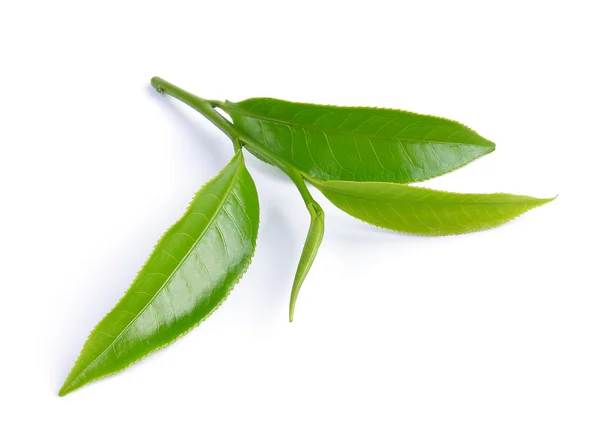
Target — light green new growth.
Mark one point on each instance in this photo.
(309, 252)
(423, 211)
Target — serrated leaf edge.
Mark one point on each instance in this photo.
(240, 110)
(318, 183)
(237, 106)
(64, 391)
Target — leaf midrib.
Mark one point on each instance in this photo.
(210, 222)
(350, 134)
(429, 202)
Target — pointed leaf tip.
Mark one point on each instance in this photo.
(66, 388)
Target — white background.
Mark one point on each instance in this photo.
(495, 329)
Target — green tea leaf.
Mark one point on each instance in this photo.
(309, 252)
(358, 143)
(191, 271)
(424, 211)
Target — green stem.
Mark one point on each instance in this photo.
(239, 138)
(199, 104)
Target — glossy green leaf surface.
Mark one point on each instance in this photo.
(424, 211)
(309, 252)
(191, 271)
(358, 143)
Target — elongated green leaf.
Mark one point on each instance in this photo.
(309, 252)
(191, 271)
(358, 143)
(424, 211)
